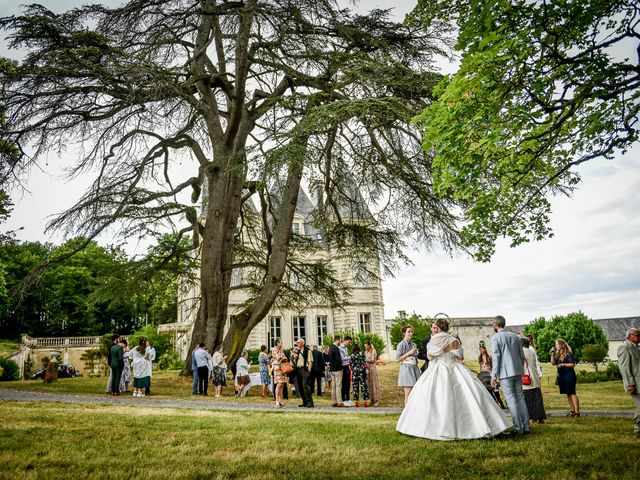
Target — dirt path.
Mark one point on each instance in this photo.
(10, 395)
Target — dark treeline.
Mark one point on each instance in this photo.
(96, 291)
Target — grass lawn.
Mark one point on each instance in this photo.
(7, 347)
(67, 441)
(594, 396)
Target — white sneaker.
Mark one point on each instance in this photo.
(141, 395)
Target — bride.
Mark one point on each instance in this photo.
(448, 402)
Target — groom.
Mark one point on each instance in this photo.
(508, 366)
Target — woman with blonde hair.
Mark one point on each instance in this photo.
(563, 359)
(373, 383)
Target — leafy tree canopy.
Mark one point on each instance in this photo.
(421, 329)
(576, 329)
(98, 290)
(235, 106)
(542, 87)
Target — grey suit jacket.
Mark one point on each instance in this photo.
(629, 363)
(508, 355)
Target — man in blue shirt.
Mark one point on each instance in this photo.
(202, 359)
(194, 368)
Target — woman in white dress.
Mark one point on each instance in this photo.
(449, 402)
(141, 368)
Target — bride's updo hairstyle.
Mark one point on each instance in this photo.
(442, 324)
(441, 321)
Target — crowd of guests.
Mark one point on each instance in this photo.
(561, 357)
(127, 364)
(307, 371)
(311, 371)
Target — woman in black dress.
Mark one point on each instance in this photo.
(565, 362)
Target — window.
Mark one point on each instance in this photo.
(236, 277)
(361, 275)
(321, 321)
(275, 331)
(299, 328)
(364, 320)
(296, 228)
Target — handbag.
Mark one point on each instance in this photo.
(244, 380)
(286, 367)
(526, 378)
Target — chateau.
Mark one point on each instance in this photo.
(363, 310)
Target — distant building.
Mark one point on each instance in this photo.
(615, 329)
(471, 330)
(364, 311)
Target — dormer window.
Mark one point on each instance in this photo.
(298, 228)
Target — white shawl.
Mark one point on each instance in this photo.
(440, 341)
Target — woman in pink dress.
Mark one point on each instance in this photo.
(373, 384)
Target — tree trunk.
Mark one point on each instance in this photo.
(236, 338)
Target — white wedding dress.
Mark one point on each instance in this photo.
(449, 402)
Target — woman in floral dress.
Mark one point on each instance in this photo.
(263, 362)
(359, 375)
(279, 378)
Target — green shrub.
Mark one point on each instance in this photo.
(170, 361)
(253, 355)
(10, 370)
(592, 377)
(576, 329)
(358, 338)
(421, 329)
(91, 359)
(594, 354)
(160, 341)
(27, 371)
(613, 371)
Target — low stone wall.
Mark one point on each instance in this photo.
(68, 350)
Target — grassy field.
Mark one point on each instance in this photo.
(607, 395)
(67, 441)
(7, 347)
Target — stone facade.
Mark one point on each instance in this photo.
(364, 310)
(471, 330)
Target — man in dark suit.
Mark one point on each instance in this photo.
(335, 370)
(116, 363)
(317, 370)
(422, 355)
(115, 338)
(302, 360)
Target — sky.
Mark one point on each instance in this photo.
(591, 264)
